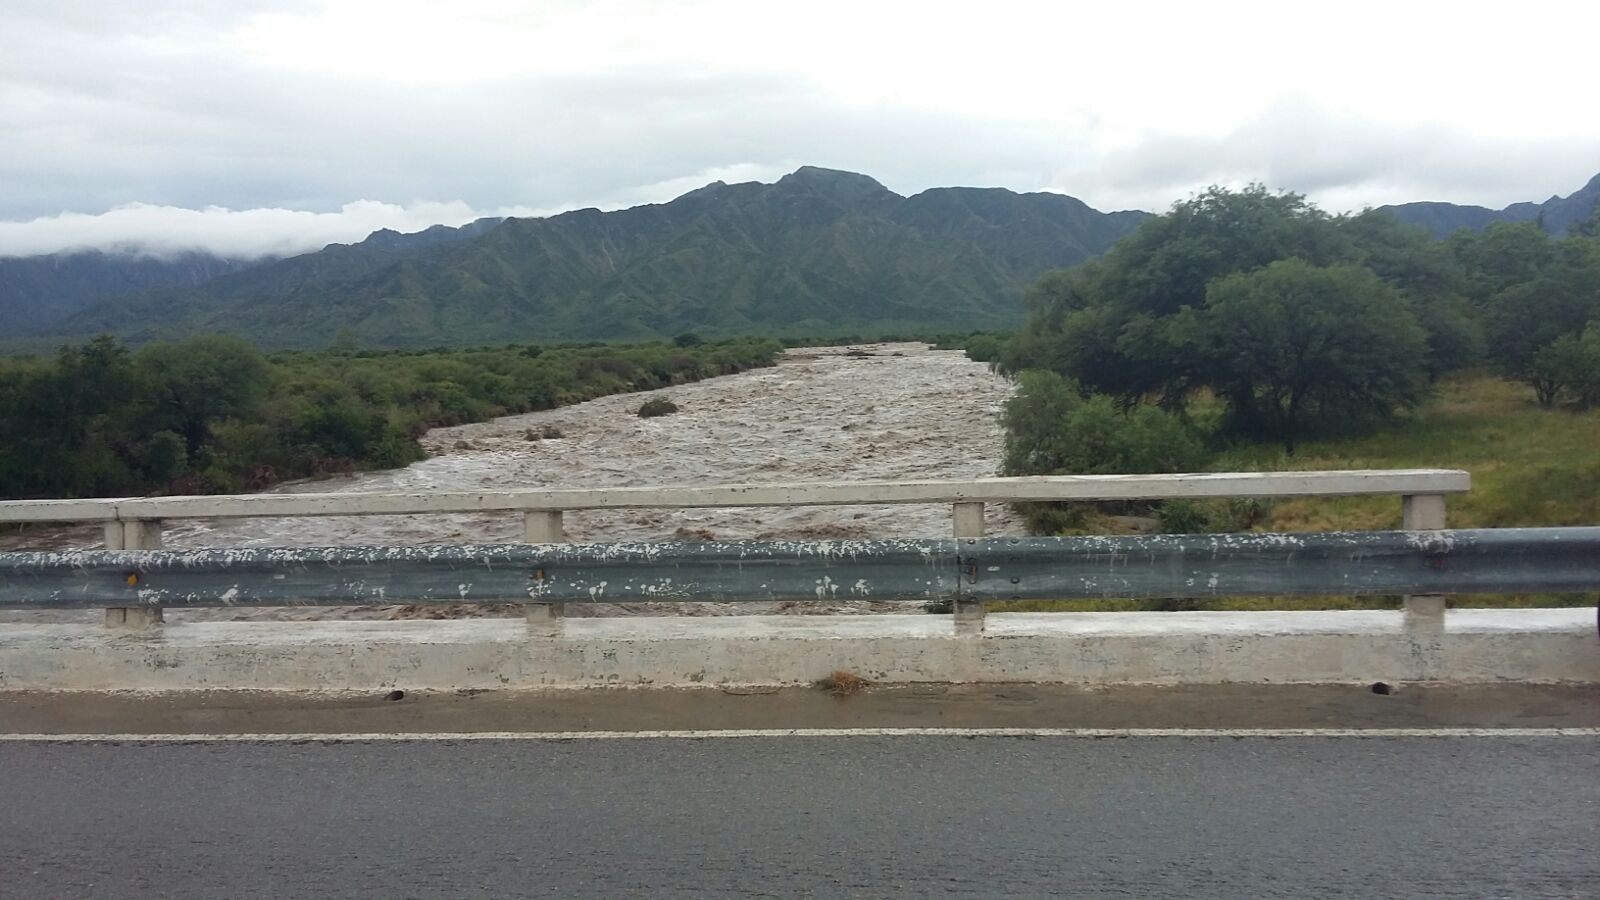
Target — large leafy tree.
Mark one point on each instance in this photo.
(1293, 317)
(1432, 278)
(1108, 324)
(200, 381)
(1294, 344)
(1531, 291)
(1502, 256)
(65, 420)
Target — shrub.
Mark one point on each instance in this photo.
(1231, 514)
(657, 406)
(1053, 429)
(1184, 517)
(213, 414)
(984, 347)
(1569, 366)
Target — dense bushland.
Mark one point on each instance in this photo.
(214, 413)
(1243, 318)
(1303, 323)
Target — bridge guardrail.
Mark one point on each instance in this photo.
(1190, 565)
(135, 524)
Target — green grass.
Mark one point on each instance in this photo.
(1530, 467)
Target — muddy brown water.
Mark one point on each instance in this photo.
(868, 413)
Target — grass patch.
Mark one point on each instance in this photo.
(1530, 467)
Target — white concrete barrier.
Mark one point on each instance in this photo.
(1354, 647)
(1409, 482)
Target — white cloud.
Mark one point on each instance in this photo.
(670, 188)
(144, 229)
(271, 107)
(1341, 160)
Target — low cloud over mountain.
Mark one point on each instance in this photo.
(167, 232)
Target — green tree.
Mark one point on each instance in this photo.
(1053, 428)
(72, 423)
(1501, 256)
(1569, 365)
(1432, 277)
(1113, 319)
(202, 380)
(1557, 298)
(1122, 325)
(1295, 344)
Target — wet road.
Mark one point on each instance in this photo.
(779, 817)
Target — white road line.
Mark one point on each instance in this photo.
(365, 737)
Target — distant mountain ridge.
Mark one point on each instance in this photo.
(39, 293)
(1557, 214)
(819, 252)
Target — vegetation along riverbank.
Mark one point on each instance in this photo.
(1247, 330)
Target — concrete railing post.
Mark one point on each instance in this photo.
(543, 527)
(967, 517)
(133, 534)
(1423, 512)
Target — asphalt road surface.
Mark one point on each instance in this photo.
(806, 816)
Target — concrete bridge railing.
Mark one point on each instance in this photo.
(135, 524)
(134, 580)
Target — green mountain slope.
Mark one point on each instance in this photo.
(818, 252)
(336, 267)
(40, 291)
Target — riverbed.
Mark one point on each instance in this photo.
(865, 413)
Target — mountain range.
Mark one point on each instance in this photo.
(39, 291)
(1556, 215)
(819, 252)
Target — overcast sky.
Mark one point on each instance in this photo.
(268, 127)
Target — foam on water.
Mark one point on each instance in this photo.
(822, 414)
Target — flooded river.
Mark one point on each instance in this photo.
(876, 412)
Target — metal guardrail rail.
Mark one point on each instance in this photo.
(136, 524)
(1351, 563)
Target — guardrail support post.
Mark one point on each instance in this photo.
(133, 534)
(544, 527)
(967, 517)
(1423, 512)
